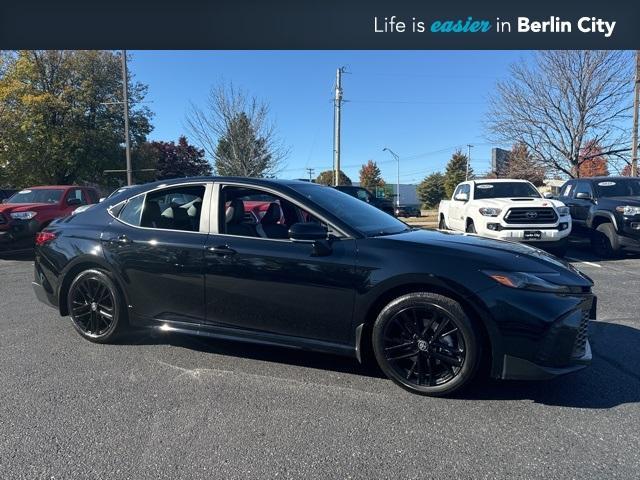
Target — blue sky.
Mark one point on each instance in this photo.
(420, 104)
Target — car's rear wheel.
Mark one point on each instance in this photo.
(96, 306)
(426, 343)
(604, 241)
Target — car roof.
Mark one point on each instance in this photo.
(248, 180)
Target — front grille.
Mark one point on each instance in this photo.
(521, 215)
(580, 343)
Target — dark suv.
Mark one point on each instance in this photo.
(365, 195)
(607, 209)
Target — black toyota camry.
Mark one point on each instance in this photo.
(305, 266)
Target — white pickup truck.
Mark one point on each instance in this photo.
(507, 210)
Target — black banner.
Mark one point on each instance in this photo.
(314, 24)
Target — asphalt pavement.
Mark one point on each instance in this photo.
(156, 406)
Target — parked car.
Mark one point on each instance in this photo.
(29, 211)
(607, 210)
(408, 211)
(329, 273)
(507, 210)
(365, 195)
(5, 194)
(82, 208)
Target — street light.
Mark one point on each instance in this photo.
(397, 157)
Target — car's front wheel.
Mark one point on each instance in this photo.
(96, 306)
(604, 241)
(426, 343)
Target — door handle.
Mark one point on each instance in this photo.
(222, 250)
(120, 239)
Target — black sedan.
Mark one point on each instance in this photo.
(305, 266)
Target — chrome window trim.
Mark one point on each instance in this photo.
(206, 185)
(216, 224)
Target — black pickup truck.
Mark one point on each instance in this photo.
(365, 195)
(607, 209)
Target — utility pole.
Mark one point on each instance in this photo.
(125, 95)
(337, 105)
(466, 177)
(634, 135)
(311, 172)
(397, 157)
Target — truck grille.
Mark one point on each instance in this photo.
(532, 215)
(581, 337)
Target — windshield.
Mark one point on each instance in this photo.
(619, 188)
(41, 195)
(505, 190)
(356, 213)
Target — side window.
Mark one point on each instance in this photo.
(77, 194)
(567, 189)
(466, 188)
(250, 212)
(362, 194)
(457, 191)
(584, 187)
(132, 210)
(177, 208)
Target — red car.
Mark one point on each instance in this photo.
(28, 211)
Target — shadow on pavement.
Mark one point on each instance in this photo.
(27, 255)
(613, 378)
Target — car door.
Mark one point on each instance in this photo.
(580, 206)
(157, 249)
(457, 208)
(274, 285)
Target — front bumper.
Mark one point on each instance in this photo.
(18, 234)
(629, 237)
(547, 234)
(539, 335)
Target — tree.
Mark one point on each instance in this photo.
(456, 172)
(370, 175)
(235, 132)
(60, 120)
(626, 170)
(326, 178)
(592, 163)
(173, 160)
(522, 165)
(431, 190)
(565, 98)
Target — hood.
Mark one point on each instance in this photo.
(519, 202)
(488, 254)
(25, 207)
(618, 201)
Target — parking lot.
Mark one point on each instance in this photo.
(158, 406)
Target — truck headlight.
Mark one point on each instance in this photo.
(629, 210)
(563, 211)
(490, 211)
(23, 215)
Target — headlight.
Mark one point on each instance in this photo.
(23, 215)
(490, 211)
(563, 211)
(629, 210)
(541, 282)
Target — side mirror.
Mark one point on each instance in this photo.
(307, 232)
(583, 196)
(74, 201)
(462, 197)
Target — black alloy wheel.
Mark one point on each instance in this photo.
(95, 306)
(426, 343)
(604, 241)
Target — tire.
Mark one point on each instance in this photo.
(96, 306)
(425, 343)
(471, 228)
(442, 225)
(604, 241)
